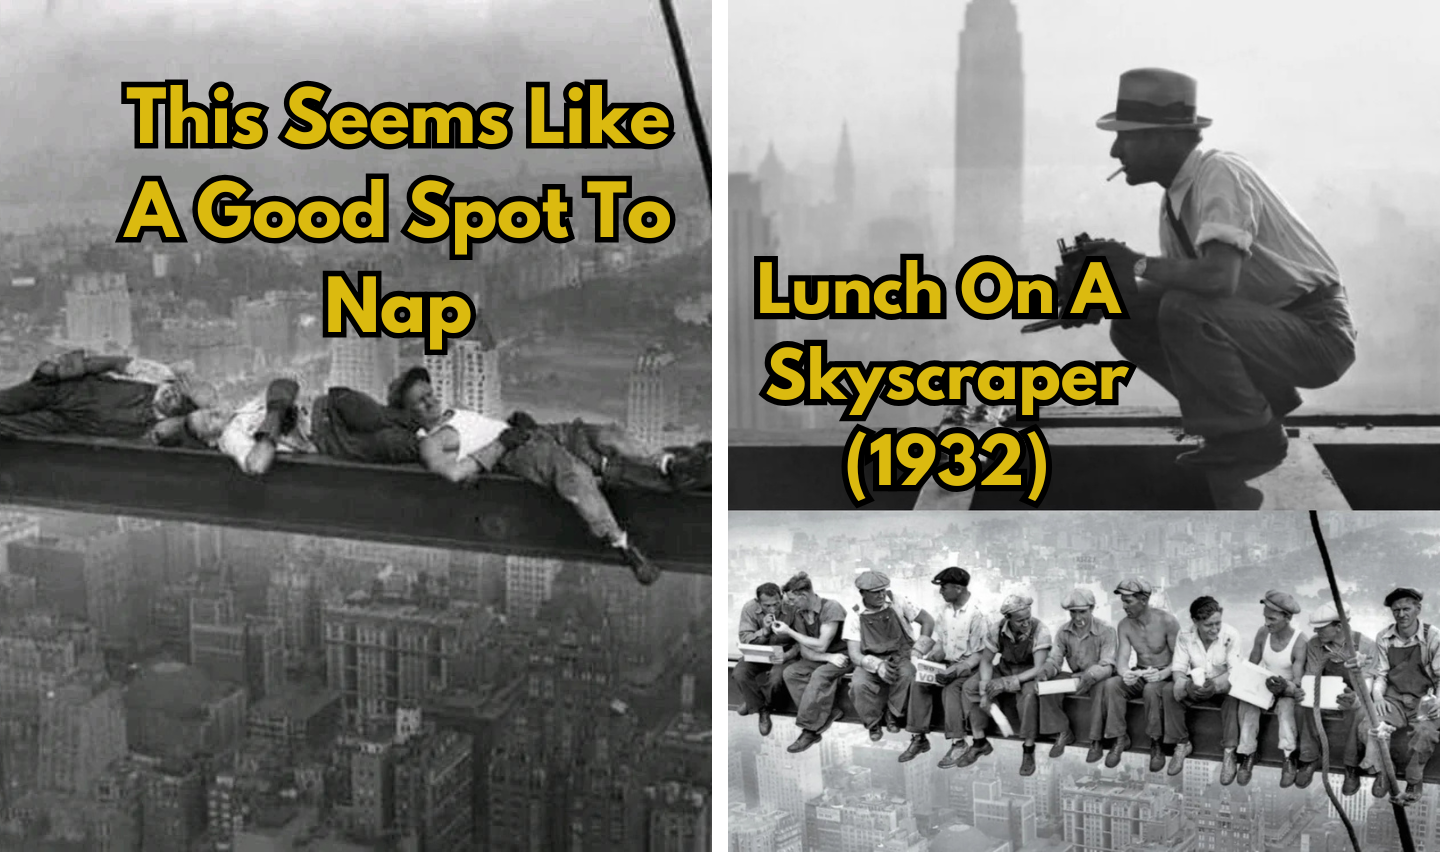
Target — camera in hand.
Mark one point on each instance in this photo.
(1067, 278)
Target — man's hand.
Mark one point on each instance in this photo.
(1382, 731)
(888, 672)
(994, 687)
(1203, 692)
(1151, 675)
(780, 628)
(924, 645)
(1083, 681)
(1348, 700)
(1010, 683)
(1130, 678)
(1276, 685)
(839, 661)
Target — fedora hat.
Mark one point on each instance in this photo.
(1154, 98)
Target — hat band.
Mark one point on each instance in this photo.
(1145, 112)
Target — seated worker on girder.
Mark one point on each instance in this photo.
(1325, 656)
(1279, 649)
(1016, 647)
(98, 396)
(1151, 632)
(814, 679)
(878, 634)
(1407, 671)
(460, 445)
(757, 681)
(960, 628)
(1213, 649)
(1087, 645)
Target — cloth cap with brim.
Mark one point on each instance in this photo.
(1134, 586)
(958, 576)
(1154, 99)
(1325, 614)
(1401, 594)
(396, 396)
(1281, 601)
(872, 581)
(1079, 599)
(1015, 603)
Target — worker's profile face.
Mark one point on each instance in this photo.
(769, 604)
(420, 402)
(1329, 634)
(1406, 611)
(951, 592)
(1142, 153)
(1019, 619)
(1208, 629)
(1134, 604)
(1080, 617)
(1275, 620)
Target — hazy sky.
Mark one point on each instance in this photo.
(1325, 83)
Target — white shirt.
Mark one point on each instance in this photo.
(959, 632)
(143, 371)
(238, 439)
(1219, 196)
(474, 429)
(1222, 655)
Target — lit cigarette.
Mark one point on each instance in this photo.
(1117, 174)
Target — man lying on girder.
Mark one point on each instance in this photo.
(98, 396)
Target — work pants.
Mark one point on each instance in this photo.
(922, 696)
(873, 696)
(812, 686)
(1249, 719)
(1118, 695)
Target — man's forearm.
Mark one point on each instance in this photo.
(95, 364)
(1203, 277)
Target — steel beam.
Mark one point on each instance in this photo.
(319, 496)
(1204, 724)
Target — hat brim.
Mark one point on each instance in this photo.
(1108, 122)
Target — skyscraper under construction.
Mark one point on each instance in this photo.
(989, 133)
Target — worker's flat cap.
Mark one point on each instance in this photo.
(872, 581)
(1282, 601)
(1402, 593)
(959, 576)
(1134, 586)
(1079, 599)
(1015, 603)
(1324, 614)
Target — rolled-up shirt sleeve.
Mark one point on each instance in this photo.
(1226, 208)
(1180, 662)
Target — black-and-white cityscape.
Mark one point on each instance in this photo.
(851, 793)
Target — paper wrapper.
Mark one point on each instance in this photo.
(1006, 729)
(1330, 689)
(1058, 687)
(1197, 677)
(767, 654)
(926, 671)
(1247, 683)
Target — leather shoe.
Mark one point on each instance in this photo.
(1027, 762)
(645, 571)
(765, 723)
(1381, 788)
(1247, 763)
(802, 742)
(876, 733)
(1117, 751)
(919, 744)
(1065, 738)
(1352, 782)
(1157, 757)
(1304, 773)
(1096, 752)
(1288, 772)
(957, 749)
(1264, 446)
(1177, 760)
(974, 753)
(1228, 767)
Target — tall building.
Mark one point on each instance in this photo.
(97, 312)
(1228, 819)
(468, 374)
(82, 730)
(365, 364)
(293, 600)
(750, 338)
(653, 409)
(989, 133)
(856, 822)
(267, 328)
(529, 582)
(249, 652)
(173, 806)
(909, 781)
(845, 172)
(787, 781)
(763, 830)
(1103, 814)
(1004, 815)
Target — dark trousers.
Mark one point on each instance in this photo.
(756, 682)
(922, 707)
(812, 686)
(543, 461)
(1234, 364)
(873, 696)
(1053, 720)
(1118, 695)
(1026, 703)
(1176, 729)
(1401, 712)
(348, 424)
(89, 405)
(1310, 737)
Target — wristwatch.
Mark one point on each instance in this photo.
(1140, 266)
